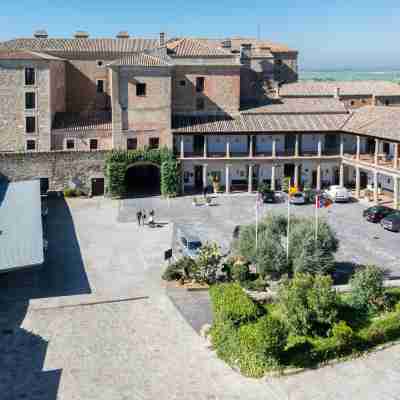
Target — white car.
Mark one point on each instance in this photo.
(338, 193)
(298, 198)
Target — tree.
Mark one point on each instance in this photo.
(207, 263)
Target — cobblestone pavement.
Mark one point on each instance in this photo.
(103, 327)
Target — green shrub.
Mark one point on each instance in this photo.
(367, 292)
(343, 335)
(225, 340)
(69, 192)
(383, 329)
(240, 271)
(170, 178)
(308, 303)
(231, 303)
(207, 263)
(286, 184)
(181, 268)
(298, 352)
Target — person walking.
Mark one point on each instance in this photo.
(144, 217)
(139, 216)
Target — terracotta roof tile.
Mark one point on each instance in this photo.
(194, 48)
(347, 88)
(25, 55)
(83, 122)
(259, 123)
(143, 60)
(381, 122)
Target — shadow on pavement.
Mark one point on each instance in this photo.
(22, 358)
(63, 273)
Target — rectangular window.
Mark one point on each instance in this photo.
(93, 144)
(200, 84)
(70, 144)
(100, 86)
(29, 76)
(30, 144)
(131, 143)
(140, 89)
(154, 143)
(199, 104)
(30, 124)
(30, 102)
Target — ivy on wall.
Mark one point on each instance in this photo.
(119, 161)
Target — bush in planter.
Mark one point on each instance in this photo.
(207, 263)
(69, 192)
(367, 291)
(231, 303)
(240, 271)
(308, 304)
(183, 268)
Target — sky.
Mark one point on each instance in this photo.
(329, 34)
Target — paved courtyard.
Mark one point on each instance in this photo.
(96, 322)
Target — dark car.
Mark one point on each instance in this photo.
(392, 222)
(377, 213)
(269, 197)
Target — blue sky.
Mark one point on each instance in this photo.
(328, 33)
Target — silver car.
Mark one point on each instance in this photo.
(190, 245)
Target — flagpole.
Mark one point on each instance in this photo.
(316, 217)
(256, 226)
(288, 229)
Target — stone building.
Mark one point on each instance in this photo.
(230, 108)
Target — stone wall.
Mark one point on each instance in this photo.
(60, 167)
(12, 105)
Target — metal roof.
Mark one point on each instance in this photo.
(21, 231)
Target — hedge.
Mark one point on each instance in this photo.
(118, 161)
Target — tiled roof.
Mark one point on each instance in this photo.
(194, 48)
(381, 122)
(83, 122)
(259, 45)
(142, 59)
(60, 46)
(25, 55)
(347, 88)
(259, 123)
(298, 105)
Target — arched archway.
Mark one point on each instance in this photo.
(143, 178)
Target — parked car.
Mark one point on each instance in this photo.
(298, 198)
(269, 196)
(338, 194)
(190, 245)
(377, 213)
(392, 222)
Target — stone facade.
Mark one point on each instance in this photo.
(61, 168)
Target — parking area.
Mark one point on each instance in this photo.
(361, 242)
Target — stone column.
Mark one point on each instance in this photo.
(396, 193)
(319, 145)
(296, 146)
(341, 174)
(228, 147)
(396, 156)
(227, 179)
(205, 152)
(319, 176)
(250, 178)
(273, 177)
(182, 146)
(358, 148)
(341, 145)
(357, 182)
(205, 177)
(273, 146)
(376, 187)
(296, 175)
(376, 160)
(251, 147)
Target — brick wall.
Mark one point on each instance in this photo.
(59, 167)
(221, 88)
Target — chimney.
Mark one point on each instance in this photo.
(81, 35)
(336, 93)
(227, 44)
(41, 34)
(245, 53)
(123, 35)
(162, 39)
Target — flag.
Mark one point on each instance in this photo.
(292, 190)
(321, 202)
